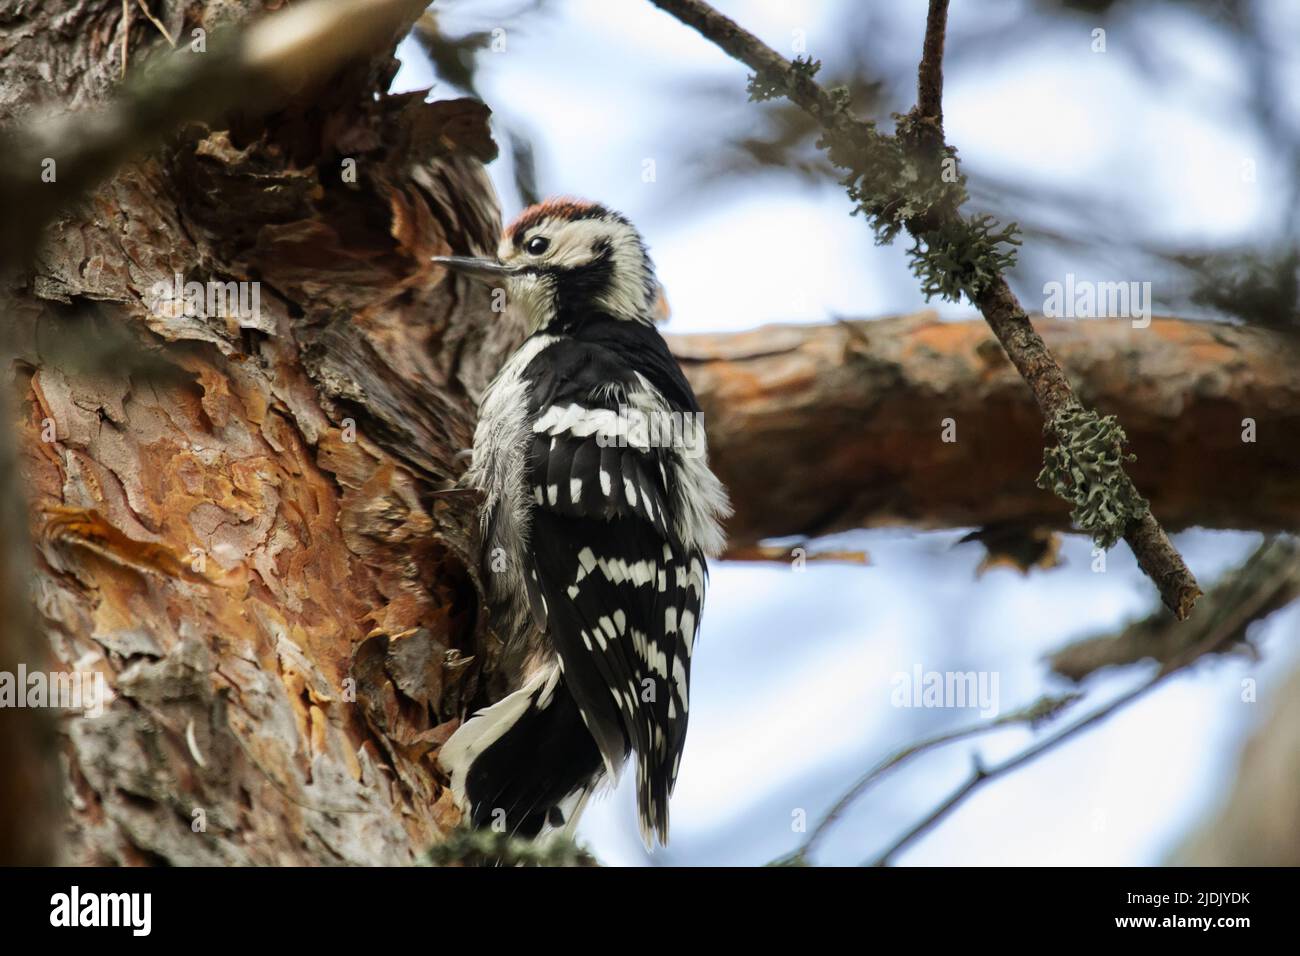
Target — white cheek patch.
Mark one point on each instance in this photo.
(574, 243)
(627, 294)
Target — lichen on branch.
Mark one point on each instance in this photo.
(909, 181)
(1085, 466)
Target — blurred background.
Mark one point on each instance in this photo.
(1164, 148)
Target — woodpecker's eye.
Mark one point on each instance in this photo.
(537, 245)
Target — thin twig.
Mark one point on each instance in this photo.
(1229, 625)
(1155, 554)
(929, 85)
(982, 775)
(1043, 709)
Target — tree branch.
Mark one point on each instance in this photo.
(962, 256)
(817, 429)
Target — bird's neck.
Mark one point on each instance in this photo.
(595, 291)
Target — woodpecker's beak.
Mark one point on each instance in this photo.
(484, 270)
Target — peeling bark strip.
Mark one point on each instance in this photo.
(235, 517)
(822, 428)
(1156, 555)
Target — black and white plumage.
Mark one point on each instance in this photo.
(599, 515)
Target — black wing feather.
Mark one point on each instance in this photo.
(610, 558)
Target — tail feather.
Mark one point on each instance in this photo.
(519, 764)
(653, 789)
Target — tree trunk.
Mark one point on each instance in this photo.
(237, 518)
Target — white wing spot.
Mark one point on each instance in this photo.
(688, 630)
(608, 626)
(679, 677)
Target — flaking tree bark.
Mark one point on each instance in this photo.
(249, 527)
(238, 521)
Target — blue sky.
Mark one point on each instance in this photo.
(791, 690)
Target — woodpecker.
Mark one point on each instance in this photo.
(599, 514)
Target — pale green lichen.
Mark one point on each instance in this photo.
(963, 256)
(768, 86)
(1085, 466)
(898, 182)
